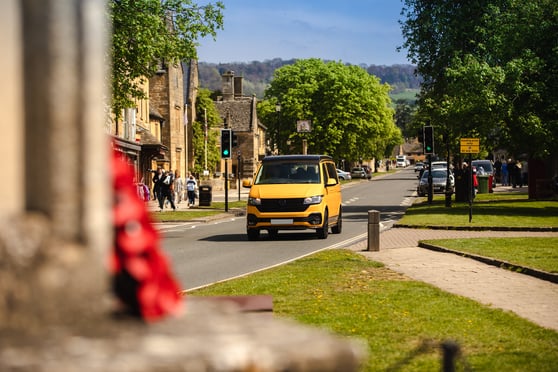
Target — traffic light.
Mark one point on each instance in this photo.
(226, 143)
(429, 140)
(234, 140)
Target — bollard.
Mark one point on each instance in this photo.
(373, 230)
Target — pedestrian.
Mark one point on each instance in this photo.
(512, 170)
(163, 182)
(518, 171)
(142, 191)
(475, 182)
(178, 187)
(158, 179)
(505, 173)
(497, 171)
(191, 186)
(170, 199)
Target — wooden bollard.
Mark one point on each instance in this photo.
(373, 231)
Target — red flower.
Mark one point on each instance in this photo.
(142, 278)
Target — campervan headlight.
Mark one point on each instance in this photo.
(317, 199)
(254, 201)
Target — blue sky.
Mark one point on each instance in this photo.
(350, 31)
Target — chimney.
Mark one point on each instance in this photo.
(228, 87)
(238, 87)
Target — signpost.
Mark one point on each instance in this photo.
(304, 126)
(470, 146)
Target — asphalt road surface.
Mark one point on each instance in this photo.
(205, 253)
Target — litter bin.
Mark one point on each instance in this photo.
(205, 196)
(483, 184)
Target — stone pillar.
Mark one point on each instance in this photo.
(55, 244)
(11, 141)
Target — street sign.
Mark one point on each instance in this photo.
(470, 145)
(304, 126)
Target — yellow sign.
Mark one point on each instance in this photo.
(470, 145)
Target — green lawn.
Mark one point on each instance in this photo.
(345, 293)
(535, 253)
(216, 208)
(488, 210)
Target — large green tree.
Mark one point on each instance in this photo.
(149, 33)
(490, 70)
(349, 110)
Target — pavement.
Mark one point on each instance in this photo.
(527, 296)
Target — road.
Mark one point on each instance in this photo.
(205, 253)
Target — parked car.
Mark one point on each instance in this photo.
(440, 164)
(401, 161)
(485, 168)
(368, 171)
(439, 177)
(342, 175)
(358, 172)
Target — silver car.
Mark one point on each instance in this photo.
(439, 177)
(358, 172)
(342, 175)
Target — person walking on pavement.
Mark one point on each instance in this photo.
(178, 187)
(168, 200)
(505, 173)
(191, 186)
(157, 184)
(162, 185)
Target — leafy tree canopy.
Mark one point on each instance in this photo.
(148, 33)
(488, 71)
(349, 110)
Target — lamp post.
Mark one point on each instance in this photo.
(278, 111)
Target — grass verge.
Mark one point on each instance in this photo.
(196, 212)
(489, 210)
(343, 292)
(533, 252)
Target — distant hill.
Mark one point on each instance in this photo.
(257, 75)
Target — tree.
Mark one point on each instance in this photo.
(349, 110)
(487, 71)
(149, 34)
(206, 110)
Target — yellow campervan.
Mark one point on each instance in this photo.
(294, 192)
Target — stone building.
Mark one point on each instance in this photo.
(154, 133)
(166, 95)
(239, 114)
(137, 134)
(191, 86)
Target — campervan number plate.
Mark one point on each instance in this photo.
(281, 221)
